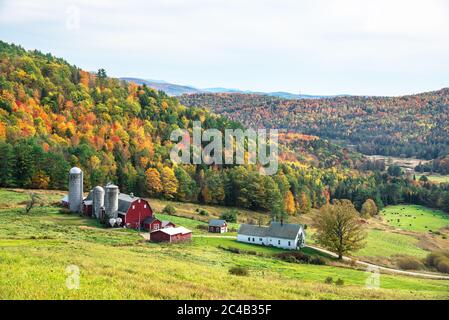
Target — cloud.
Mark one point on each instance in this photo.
(263, 45)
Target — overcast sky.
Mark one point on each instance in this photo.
(382, 47)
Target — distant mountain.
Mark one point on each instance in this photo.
(176, 90)
(169, 88)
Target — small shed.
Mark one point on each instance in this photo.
(168, 224)
(218, 226)
(152, 224)
(171, 235)
(87, 207)
(65, 201)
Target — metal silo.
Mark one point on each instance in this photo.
(111, 201)
(75, 189)
(98, 201)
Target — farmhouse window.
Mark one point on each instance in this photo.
(260, 239)
(249, 239)
(279, 241)
(289, 243)
(254, 240)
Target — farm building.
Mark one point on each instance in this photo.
(218, 226)
(132, 210)
(152, 224)
(108, 204)
(168, 224)
(171, 235)
(65, 201)
(278, 234)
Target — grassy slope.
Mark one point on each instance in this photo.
(35, 249)
(415, 218)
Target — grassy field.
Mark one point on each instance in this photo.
(437, 178)
(386, 245)
(415, 218)
(36, 249)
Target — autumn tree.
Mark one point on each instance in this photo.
(153, 182)
(339, 228)
(169, 182)
(289, 203)
(369, 208)
(303, 204)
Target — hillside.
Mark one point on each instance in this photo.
(408, 126)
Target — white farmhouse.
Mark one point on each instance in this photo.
(278, 234)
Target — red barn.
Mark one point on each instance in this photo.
(171, 235)
(133, 210)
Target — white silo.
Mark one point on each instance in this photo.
(75, 189)
(98, 201)
(111, 201)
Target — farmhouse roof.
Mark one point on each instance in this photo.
(217, 223)
(284, 231)
(275, 230)
(252, 230)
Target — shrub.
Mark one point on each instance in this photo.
(340, 282)
(317, 260)
(329, 280)
(443, 265)
(409, 263)
(169, 209)
(230, 215)
(438, 260)
(202, 227)
(293, 257)
(203, 213)
(239, 271)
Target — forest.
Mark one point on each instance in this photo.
(407, 126)
(54, 115)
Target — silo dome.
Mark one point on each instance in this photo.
(75, 170)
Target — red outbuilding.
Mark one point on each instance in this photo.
(171, 235)
(87, 208)
(152, 224)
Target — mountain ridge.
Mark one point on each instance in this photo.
(173, 89)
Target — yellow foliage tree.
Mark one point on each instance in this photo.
(289, 202)
(153, 181)
(40, 180)
(169, 182)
